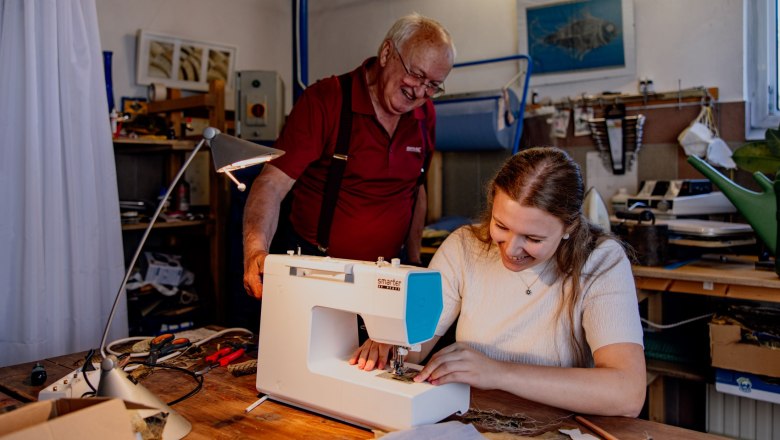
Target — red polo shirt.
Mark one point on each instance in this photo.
(374, 207)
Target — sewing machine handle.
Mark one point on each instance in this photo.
(335, 266)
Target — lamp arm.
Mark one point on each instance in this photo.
(143, 241)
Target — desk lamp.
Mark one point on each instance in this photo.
(229, 154)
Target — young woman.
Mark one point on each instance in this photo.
(545, 302)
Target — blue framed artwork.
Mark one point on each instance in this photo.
(577, 40)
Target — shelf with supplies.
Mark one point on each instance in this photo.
(691, 291)
(140, 226)
(140, 145)
(180, 271)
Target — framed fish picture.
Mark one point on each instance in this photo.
(577, 40)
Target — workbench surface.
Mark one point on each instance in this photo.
(217, 411)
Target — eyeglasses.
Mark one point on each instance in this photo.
(432, 90)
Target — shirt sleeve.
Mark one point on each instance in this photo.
(309, 127)
(610, 307)
(448, 260)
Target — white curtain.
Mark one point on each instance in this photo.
(61, 259)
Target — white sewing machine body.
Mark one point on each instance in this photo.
(308, 330)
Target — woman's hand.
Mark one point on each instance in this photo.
(370, 355)
(462, 364)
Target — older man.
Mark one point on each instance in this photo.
(357, 149)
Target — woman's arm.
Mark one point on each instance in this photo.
(614, 387)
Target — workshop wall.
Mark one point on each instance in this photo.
(679, 43)
(698, 42)
(262, 31)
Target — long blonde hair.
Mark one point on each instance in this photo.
(547, 178)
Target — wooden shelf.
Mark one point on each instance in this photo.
(676, 370)
(152, 145)
(208, 100)
(730, 280)
(164, 225)
(165, 157)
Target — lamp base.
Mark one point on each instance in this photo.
(115, 383)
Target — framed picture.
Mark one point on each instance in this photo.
(181, 63)
(577, 40)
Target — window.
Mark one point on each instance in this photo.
(763, 109)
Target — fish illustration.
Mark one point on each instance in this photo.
(582, 35)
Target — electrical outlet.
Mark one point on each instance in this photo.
(72, 385)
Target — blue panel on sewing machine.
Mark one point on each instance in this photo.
(480, 121)
(423, 305)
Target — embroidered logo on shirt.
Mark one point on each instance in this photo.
(413, 149)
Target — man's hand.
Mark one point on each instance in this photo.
(253, 273)
(261, 213)
(371, 354)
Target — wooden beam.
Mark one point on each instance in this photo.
(188, 102)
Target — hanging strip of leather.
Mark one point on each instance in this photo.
(337, 165)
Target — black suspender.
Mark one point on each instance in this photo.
(337, 166)
(339, 163)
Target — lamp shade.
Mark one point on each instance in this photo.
(230, 153)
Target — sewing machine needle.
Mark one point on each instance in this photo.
(256, 404)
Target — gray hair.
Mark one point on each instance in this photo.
(410, 25)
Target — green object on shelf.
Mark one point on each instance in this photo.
(759, 209)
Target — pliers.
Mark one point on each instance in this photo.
(221, 358)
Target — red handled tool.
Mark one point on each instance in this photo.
(221, 358)
(156, 346)
(214, 357)
(175, 345)
(165, 344)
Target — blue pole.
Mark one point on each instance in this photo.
(521, 113)
(300, 47)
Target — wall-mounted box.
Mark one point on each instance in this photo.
(259, 105)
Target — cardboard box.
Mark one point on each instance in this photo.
(728, 351)
(70, 419)
(746, 385)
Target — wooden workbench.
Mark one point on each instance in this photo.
(217, 411)
(738, 280)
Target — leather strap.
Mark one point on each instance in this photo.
(337, 166)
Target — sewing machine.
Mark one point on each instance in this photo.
(308, 331)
